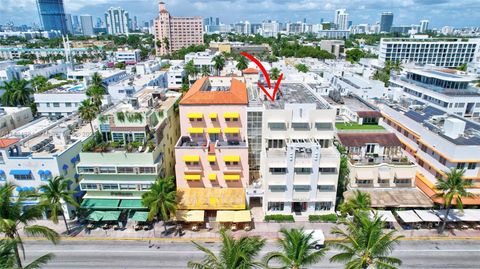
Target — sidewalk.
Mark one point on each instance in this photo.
(270, 231)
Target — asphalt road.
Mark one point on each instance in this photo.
(139, 254)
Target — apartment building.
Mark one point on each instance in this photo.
(175, 33)
(440, 52)
(61, 101)
(201, 59)
(437, 142)
(212, 169)
(443, 89)
(40, 150)
(16, 52)
(175, 76)
(128, 56)
(135, 146)
(14, 117)
(293, 141)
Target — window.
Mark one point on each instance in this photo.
(56, 104)
(301, 188)
(402, 181)
(278, 170)
(231, 163)
(128, 187)
(442, 160)
(68, 104)
(276, 143)
(278, 188)
(460, 165)
(146, 170)
(107, 170)
(300, 125)
(145, 186)
(362, 181)
(472, 166)
(303, 170)
(109, 186)
(276, 206)
(370, 148)
(326, 188)
(23, 177)
(321, 206)
(323, 125)
(89, 186)
(327, 170)
(125, 170)
(86, 170)
(277, 126)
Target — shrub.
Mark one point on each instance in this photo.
(323, 218)
(279, 218)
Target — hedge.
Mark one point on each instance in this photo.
(323, 218)
(279, 218)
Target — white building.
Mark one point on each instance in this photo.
(441, 52)
(62, 101)
(14, 117)
(87, 25)
(270, 28)
(116, 20)
(175, 74)
(129, 86)
(128, 56)
(108, 76)
(424, 26)
(201, 59)
(41, 150)
(293, 140)
(341, 19)
(44, 70)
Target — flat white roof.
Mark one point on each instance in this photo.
(408, 216)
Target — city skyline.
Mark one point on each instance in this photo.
(406, 13)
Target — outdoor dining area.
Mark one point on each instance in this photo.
(235, 220)
(104, 219)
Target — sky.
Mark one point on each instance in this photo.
(456, 13)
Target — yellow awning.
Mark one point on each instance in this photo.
(231, 130)
(192, 177)
(231, 115)
(213, 115)
(231, 158)
(195, 115)
(213, 130)
(212, 177)
(242, 216)
(231, 177)
(211, 198)
(191, 158)
(212, 158)
(191, 215)
(225, 216)
(195, 130)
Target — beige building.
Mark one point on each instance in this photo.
(175, 33)
(14, 117)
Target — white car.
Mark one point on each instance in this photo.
(317, 235)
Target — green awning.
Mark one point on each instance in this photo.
(100, 203)
(131, 204)
(140, 216)
(111, 215)
(95, 216)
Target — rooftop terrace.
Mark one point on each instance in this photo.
(293, 93)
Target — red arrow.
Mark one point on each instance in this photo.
(267, 77)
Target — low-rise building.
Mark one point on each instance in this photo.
(14, 117)
(175, 74)
(128, 56)
(130, 85)
(108, 76)
(61, 101)
(335, 47)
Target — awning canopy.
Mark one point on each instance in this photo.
(231, 177)
(212, 177)
(408, 216)
(195, 130)
(210, 198)
(213, 115)
(111, 215)
(212, 158)
(384, 174)
(194, 115)
(363, 174)
(100, 203)
(190, 215)
(242, 216)
(225, 216)
(20, 172)
(386, 216)
(140, 216)
(95, 216)
(231, 130)
(404, 174)
(231, 158)
(191, 158)
(131, 204)
(213, 130)
(397, 197)
(427, 215)
(468, 215)
(231, 115)
(192, 177)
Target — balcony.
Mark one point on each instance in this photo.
(375, 159)
(231, 144)
(187, 142)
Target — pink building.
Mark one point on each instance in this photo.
(175, 33)
(212, 152)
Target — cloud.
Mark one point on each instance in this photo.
(440, 12)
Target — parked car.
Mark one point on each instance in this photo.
(318, 236)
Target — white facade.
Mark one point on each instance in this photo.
(46, 70)
(127, 56)
(270, 28)
(87, 25)
(128, 87)
(200, 59)
(60, 102)
(116, 20)
(108, 76)
(14, 117)
(341, 19)
(175, 74)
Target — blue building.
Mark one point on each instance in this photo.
(52, 15)
(386, 21)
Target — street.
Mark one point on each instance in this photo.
(140, 254)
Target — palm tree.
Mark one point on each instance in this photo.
(242, 63)
(56, 192)
(13, 217)
(88, 111)
(360, 202)
(8, 260)
(274, 73)
(167, 43)
(17, 92)
(161, 200)
(205, 71)
(218, 63)
(97, 80)
(38, 82)
(190, 69)
(451, 188)
(397, 66)
(234, 253)
(298, 250)
(366, 244)
(96, 94)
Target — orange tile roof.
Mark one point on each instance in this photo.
(237, 95)
(250, 71)
(6, 142)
